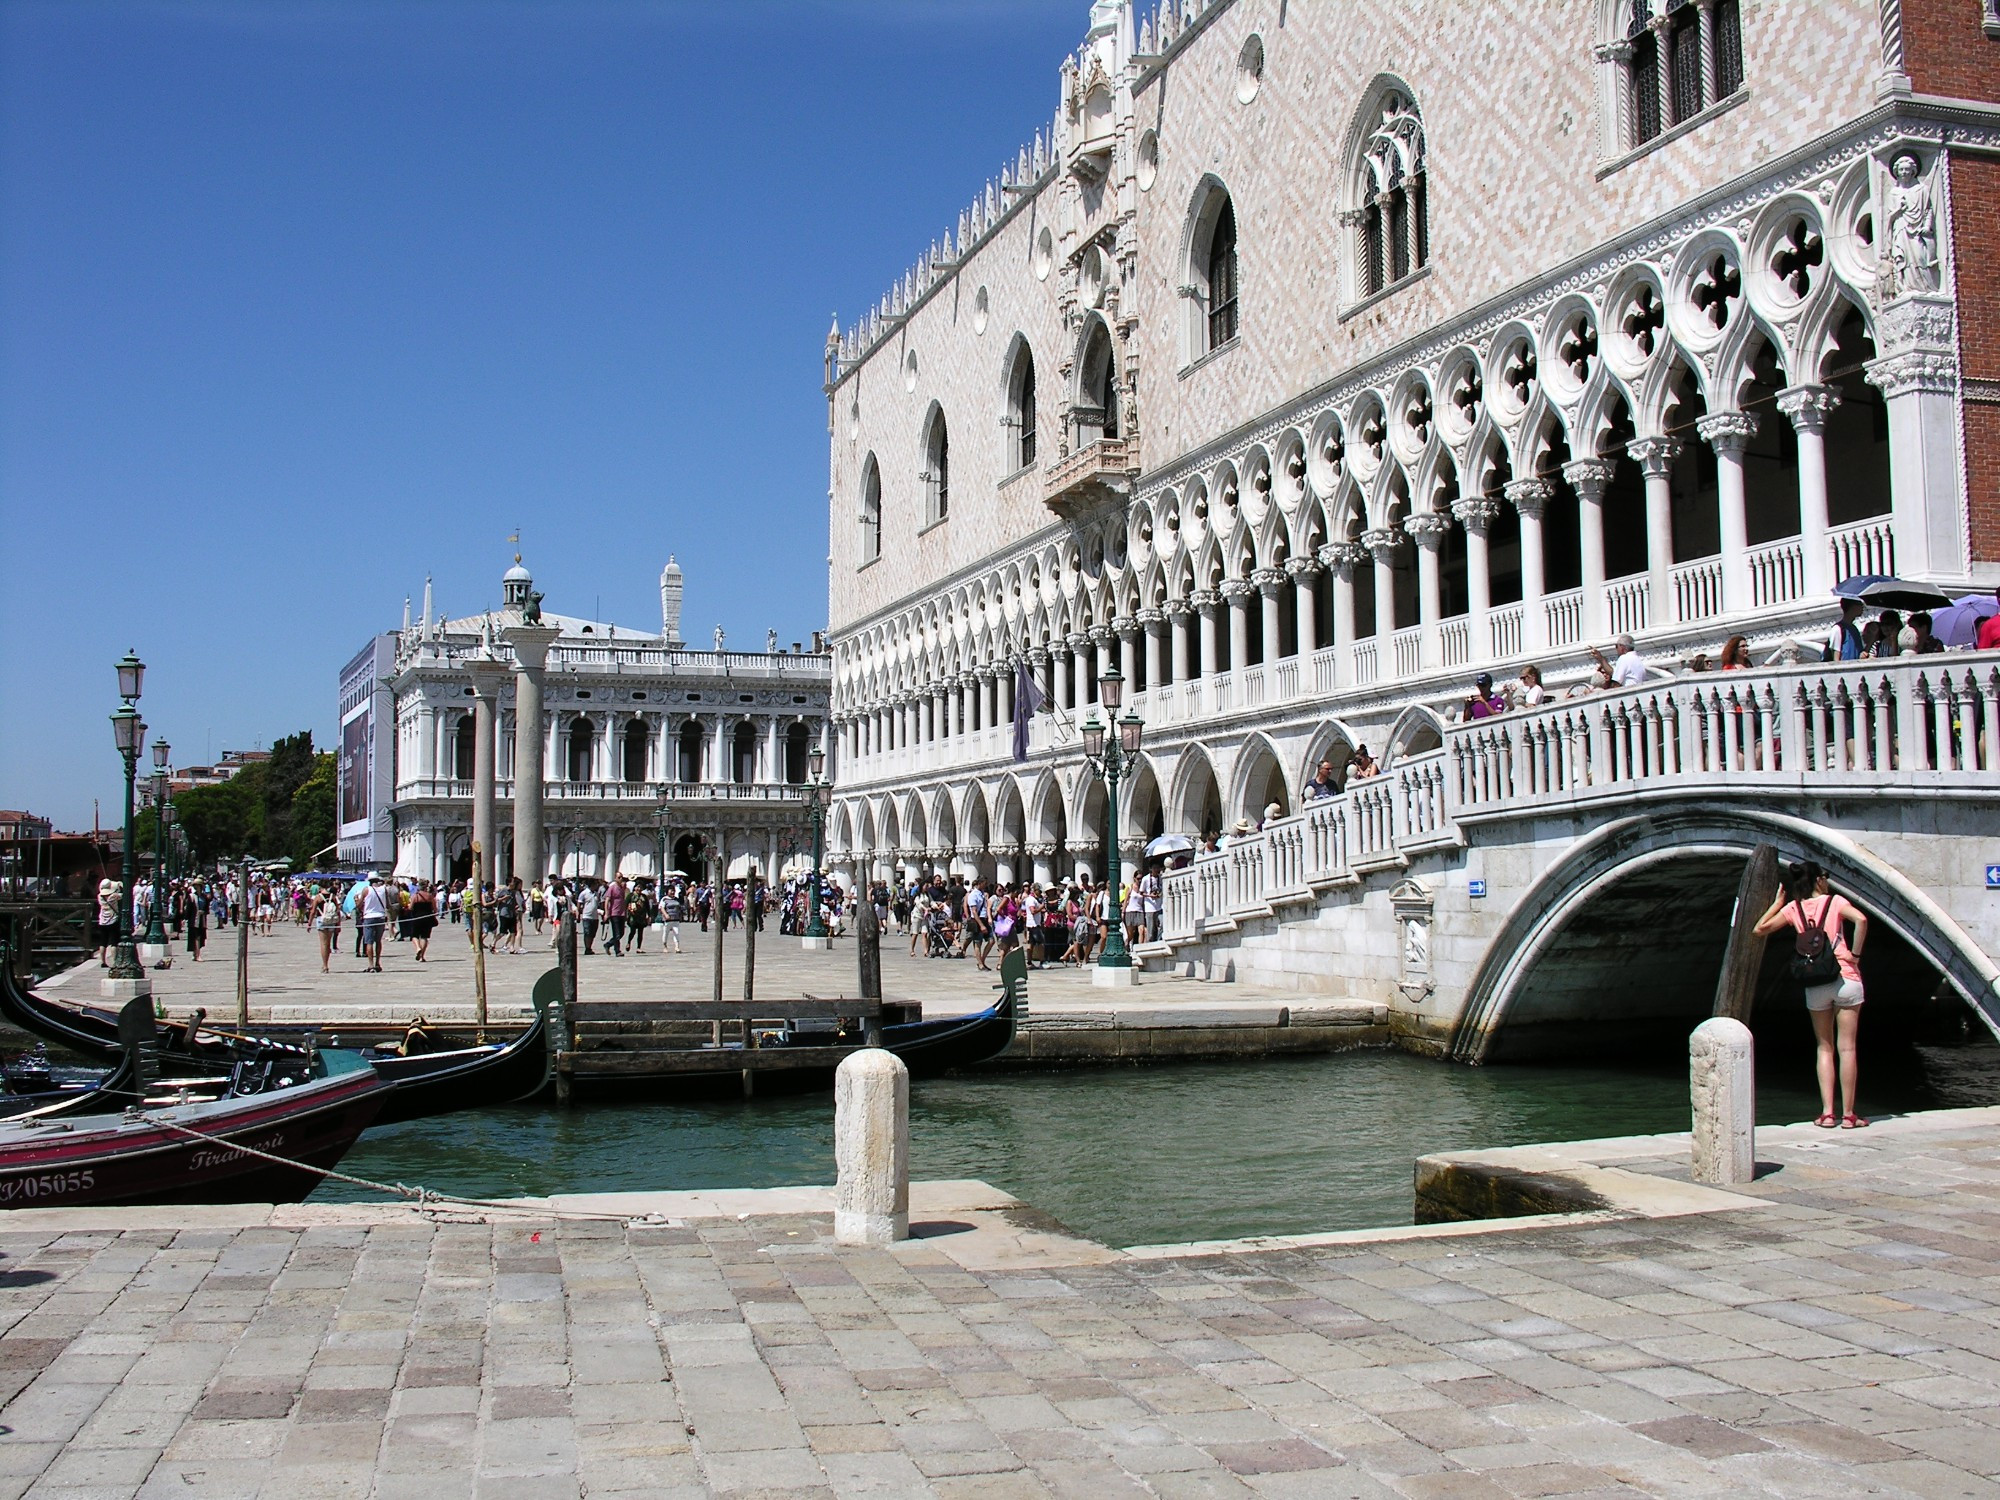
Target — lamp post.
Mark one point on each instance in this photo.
(660, 827)
(1110, 755)
(128, 732)
(156, 930)
(819, 797)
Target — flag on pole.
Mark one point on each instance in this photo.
(1028, 701)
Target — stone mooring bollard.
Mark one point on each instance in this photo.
(1722, 1079)
(871, 1149)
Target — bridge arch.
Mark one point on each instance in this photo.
(1621, 850)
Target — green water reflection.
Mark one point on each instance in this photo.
(1129, 1155)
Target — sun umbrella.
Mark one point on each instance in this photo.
(1880, 592)
(1169, 843)
(1958, 624)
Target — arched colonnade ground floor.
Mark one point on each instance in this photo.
(1045, 821)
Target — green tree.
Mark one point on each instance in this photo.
(216, 819)
(312, 814)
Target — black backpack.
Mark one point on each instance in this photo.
(1814, 961)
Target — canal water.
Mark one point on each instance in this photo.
(1133, 1155)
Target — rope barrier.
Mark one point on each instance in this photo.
(420, 1197)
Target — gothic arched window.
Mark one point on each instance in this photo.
(937, 469)
(1213, 287)
(1390, 194)
(1665, 62)
(634, 747)
(462, 742)
(871, 510)
(1020, 419)
(1096, 411)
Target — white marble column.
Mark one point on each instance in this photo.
(1127, 630)
(1428, 529)
(1343, 558)
(487, 675)
(531, 645)
(1269, 581)
(1154, 623)
(1207, 602)
(1809, 406)
(1059, 685)
(1236, 592)
(1530, 498)
(1917, 375)
(1305, 598)
(1178, 613)
(1382, 546)
(1477, 513)
(1655, 457)
(1590, 477)
(1729, 433)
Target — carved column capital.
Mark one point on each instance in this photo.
(1476, 512)
(1076, 640)
(1182, 606)
(1302, 567)
(1727, 431)
(1343, 557)
(1206, 600)
(1428, 527)
(1589, 477)
(1146, 619)
(1654, 455)
(1270, 580)
(1100, 635)
(1808, 405)
(1915, 370)
(1382, 543)
(1124, 625)
(1529, 496)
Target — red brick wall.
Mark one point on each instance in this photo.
(1946, 50)
(1975, 227)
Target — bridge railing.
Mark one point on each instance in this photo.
(1914, 721)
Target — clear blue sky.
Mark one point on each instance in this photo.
(299, 302)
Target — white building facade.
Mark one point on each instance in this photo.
(649, 750)
(1317, 358)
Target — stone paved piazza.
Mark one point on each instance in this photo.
(1832, 1331)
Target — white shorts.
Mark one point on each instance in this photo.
(1845, 994)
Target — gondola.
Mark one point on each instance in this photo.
(186, 1152)
(794, 1061)
(430, 1083)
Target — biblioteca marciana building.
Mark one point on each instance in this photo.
(647, 750)
(1317, 358)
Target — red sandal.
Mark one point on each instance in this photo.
(1853, 1122)
(1827, 1121)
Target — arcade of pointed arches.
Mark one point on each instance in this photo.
(1624, 460)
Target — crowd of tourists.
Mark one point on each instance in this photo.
(1061, 923)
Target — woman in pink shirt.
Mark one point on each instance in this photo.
(1807, 905)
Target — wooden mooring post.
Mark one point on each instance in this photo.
(478, 923)
(563, 1024)
(1743, 959)
(868, 951)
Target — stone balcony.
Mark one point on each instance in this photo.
(1097, 474)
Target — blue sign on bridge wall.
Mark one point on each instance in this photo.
(1477, 888)
(1993, 877)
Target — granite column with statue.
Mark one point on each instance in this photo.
(531, 652)
(487, 675)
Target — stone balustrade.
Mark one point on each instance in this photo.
(1889, 726)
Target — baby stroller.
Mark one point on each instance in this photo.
(937, 932)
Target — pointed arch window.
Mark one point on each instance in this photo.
(1390, 188)
(937, 469)
(1212, 286)
(1666, 62)
(871, 511)
(1222, 278)
(1095, 413)
(1020, 418)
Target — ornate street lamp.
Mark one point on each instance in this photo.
(1111, 756)
(128, 732)
(819, 797)
(156, 931)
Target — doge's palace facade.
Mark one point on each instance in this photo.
(1316, 358)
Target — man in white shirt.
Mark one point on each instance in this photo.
(1629, 670)
(374, 908)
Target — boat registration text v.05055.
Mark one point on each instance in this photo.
(46, 1185)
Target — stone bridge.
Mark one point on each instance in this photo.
(1578, 863)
